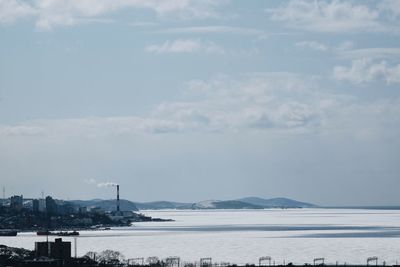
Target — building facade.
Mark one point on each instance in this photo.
(57, 250)
(17, 203)
(51, 205)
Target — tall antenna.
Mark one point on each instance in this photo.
(42, 194)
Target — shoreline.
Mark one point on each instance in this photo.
(89, 228)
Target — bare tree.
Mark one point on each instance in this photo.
(110, 257)
(91, 255)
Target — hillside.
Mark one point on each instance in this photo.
(277, 202)
(228, 204)
(243, 203)
(159, 205)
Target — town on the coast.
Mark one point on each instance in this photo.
(49, 216)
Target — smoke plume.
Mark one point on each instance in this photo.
(107, 184)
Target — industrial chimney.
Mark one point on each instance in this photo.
(117, 197)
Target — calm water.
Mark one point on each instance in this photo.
(242, 236)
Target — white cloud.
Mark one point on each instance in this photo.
(215, 29)
(91, 127)
(367, 70)
(185, 46)
(342, 49)
(312, 45)
(12, 10)
(345, 46)
(53, 13)
(280, 103)
(21, 130)
(274, 102)
(107, 184)
(373, 53)
(328, 16)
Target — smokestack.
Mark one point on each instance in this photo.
(117, 197)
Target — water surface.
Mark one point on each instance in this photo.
(242, 236)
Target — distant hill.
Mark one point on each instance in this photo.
(277, 202)
(159, 205)
(107, 205)
(227, 204)
(243, 203)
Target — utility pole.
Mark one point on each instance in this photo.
(76, 248)
(117, 197)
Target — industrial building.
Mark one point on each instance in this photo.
(56, 250)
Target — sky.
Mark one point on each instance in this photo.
(191, 100)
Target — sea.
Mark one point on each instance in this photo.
(340, 236)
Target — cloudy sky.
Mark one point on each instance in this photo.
(191, 100)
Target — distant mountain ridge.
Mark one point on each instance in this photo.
(227, 204)
(160, 205)
(243, 203)
(279, 202)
